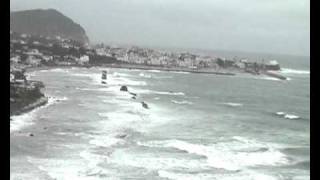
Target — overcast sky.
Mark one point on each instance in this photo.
(272, 26)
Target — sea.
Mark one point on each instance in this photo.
(196, 126)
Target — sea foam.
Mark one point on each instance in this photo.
(26, 119)
(181, 102)
(294, 71)
(224, 155)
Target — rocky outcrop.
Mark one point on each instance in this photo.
(124, 88)
(145, 105)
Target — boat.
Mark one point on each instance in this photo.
(104, 77)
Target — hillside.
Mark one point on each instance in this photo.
(47, 22)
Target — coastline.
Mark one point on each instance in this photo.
(141, 67)
(37, 103)
(226, 72)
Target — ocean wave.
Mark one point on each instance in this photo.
(156, 71)
(287, 116)
(148, 91)
(56, 70)
(224, 155)
(81, 169)
(105, 141)
(180, 72)
(169, 93)
(244, 175)
(117, 74)
(181, 102)
(149, 161)
(184, 176)
(270, 78)
(145, 75)
(294, 71)
(26, 119)
(116, 78)
(233, 104)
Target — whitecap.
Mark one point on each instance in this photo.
(145, 75)
(180, 72)
(280, 113)
(181, 102)
(26, 119)
(184, 176)
(225, 155)
(232, 104)
(169, 93)
(294, 71)
(157, 71)
(267, 78)
(291, 116)
(287, 116)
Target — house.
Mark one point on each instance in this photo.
(272, 65)
(83, 59)
(33, 60)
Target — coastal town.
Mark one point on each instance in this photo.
(36, 51)
(30, 51)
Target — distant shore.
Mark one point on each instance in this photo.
(227, 72)
(141, 67)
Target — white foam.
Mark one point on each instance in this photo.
(145, 75)
(180, 72)
(267, 78)
(169, 93)
(294, 71)
(224, 155)
(280, 113)
(71, 169)
(27, 119)
(151, 162)
(157, 71)
(291, 116)
(181, 102)
(233, 104)
(112, 79)
(182, 176)
(287, 116)
(105, 141)
(117, 74)
(244, 175)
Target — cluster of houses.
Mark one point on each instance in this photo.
(145, 56)
(32, 51)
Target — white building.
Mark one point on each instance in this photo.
(83, 59)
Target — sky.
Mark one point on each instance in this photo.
(269, 26)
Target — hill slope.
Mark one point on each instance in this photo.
(48, 22)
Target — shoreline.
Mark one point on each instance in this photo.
(140, 67)
(37, 103)
(225, 72)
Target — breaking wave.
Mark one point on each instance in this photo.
(181, 102)
(287, 116)
(230, 156)
(294, 71)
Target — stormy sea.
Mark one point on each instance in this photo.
(198, 126)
